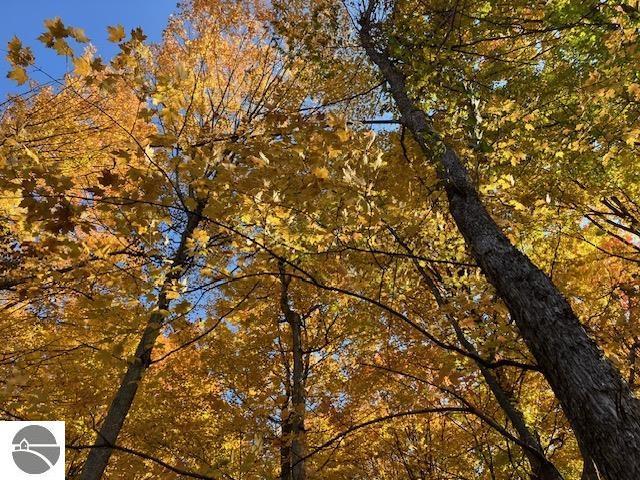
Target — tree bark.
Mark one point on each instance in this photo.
(285, 447)
(294, 422)
(598, 403)
(98, 458)
(589, 471)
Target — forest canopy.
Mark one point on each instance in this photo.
(320, 239)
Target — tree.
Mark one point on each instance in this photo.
(237, 252)
(601, 409)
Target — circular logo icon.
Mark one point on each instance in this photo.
(35, 450)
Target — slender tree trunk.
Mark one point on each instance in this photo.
(296, 414)
(285, 448)
(107, 436)
(598, 403)
(541, 467)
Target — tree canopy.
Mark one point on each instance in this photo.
(381, 239)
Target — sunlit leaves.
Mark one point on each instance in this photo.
(18, 74)
(116, 33)
(321, 172)
(221, 122)
(20, 57)
(56, 36)
(82, 66)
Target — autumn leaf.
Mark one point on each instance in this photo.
(56, 28)
(116, 33)
(19, 75)
(279, 237)
(82, 66)
(321, 173)
(19, 55)
(79, 35)
(172, 295)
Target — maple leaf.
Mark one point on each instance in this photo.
(79, 35)
(321, 172)
(82, 66)
(19, 75)
(19, 55)
(116, 33)
(56, 27)
(108, 178)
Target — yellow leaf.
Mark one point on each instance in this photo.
(190, 203)
(56, 27)
(62, 47)
(264, 158)
(31, 154)
(116, 33)
(14, 47)
(83, 66)
(162, 140)
(517, 205)
(343, 134)
(321, 172)
(19, 55)
(510, 179)
(258, 161)
(632, 137)
(200, 236)
(172, 295)
(19, 75)
(181, 72)
(183, 307)
(79, 35)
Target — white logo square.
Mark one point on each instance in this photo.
(32, 450)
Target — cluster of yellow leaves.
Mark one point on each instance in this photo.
(100, 181)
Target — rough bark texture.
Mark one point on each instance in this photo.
(589, 471)
(598, 403)
(98, 458)
(293, 433)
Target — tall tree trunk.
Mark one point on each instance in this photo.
(107, 436)
(296, 414)
(598, 403)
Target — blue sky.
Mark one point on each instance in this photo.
(25, 18)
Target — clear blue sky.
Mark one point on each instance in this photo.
(25, 18)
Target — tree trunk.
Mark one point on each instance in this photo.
(589, 471)
(541, 467)
(107, 436)
(295, 418)
(285, 448)
(598, 403)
